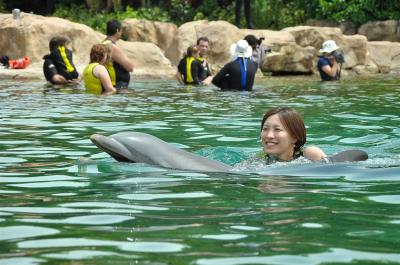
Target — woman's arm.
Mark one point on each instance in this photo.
(178, 77)
(101, 73)
(195, 68)
(314, 153)
(331, 71)
(221, 74)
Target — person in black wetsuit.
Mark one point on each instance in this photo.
(205, 73)
(238, 74)
(189, 68)
(58, 67)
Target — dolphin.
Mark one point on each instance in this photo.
(136, 147)
(139, 147)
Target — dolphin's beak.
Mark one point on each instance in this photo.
(112, 147)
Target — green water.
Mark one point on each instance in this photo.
(57, 210)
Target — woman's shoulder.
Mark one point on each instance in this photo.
(99, 69)
(196, 62)
(313, 153)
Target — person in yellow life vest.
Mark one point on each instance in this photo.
(95, 76)
(58, 67)
(189, 68)
(121, 65)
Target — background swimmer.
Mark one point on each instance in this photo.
(189, 68)
(58, 67)
(96, 77)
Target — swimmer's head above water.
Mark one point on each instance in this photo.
(283, 135)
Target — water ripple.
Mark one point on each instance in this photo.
(153, 196)
(150, 247)
(102, 219)
(333, 256)
(21, 231)
(80, 254)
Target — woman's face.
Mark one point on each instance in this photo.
(329, 56)
(276, 140)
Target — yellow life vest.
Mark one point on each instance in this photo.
(110, 66)
(92, 83)
(65, 59)
(189, 78)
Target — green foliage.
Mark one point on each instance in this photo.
(97, 20)
(211, 10)
(155, 14)
(360, 11)
(226, 13)
(340, 11)
(181, 12)
(80, 14)
(272, 14)
(2, 6)
(277, 14)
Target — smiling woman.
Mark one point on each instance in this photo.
(283, 135)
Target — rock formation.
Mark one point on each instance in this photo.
(30, 35)
(157, 47)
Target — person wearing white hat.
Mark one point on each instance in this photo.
(240, 72)
(327, 64)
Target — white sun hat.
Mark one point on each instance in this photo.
(241, 49)
(328, 46)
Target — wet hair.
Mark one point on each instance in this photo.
(202, 39)
(112, 27)
(190, 51)
(253, 41)
(293, 123)
(57, 41)
(98, 52)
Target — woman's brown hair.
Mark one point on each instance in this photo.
(98, 52)
(190, 51)
(293, 123)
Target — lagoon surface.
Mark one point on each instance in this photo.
(56, 208)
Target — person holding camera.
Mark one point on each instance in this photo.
(259, 51)
(328, 62)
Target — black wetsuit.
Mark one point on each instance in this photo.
(122, 76)
(230, 76)
(54, 64)
(196, 70)
(205, 69)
